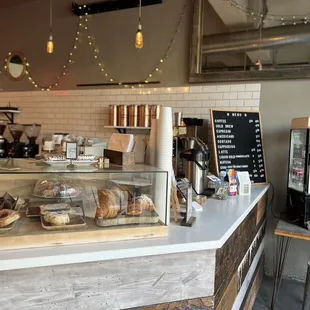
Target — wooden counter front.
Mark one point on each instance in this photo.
(179, 272)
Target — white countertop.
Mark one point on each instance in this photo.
(213, 227)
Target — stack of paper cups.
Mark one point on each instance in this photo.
(164, 144)
(150, 155)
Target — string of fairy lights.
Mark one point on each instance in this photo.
(156, 69)
(257, 15)
(83, 27)
(65, 67)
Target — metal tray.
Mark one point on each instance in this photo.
(76, 221)
(34, 210)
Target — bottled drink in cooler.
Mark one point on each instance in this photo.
(298, 172)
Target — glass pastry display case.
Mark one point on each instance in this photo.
(42, 205)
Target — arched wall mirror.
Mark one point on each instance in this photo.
(16, 66)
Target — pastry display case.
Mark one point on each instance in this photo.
(43, 205)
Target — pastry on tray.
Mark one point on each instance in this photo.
(139, 205)
(86, 157)
(57, 218)
(109, 205)
(134, 209)
(54, 157)
(55, 207)
(55, 189)
(7, 202)
(8, 217)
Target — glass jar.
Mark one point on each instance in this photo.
(221, 190)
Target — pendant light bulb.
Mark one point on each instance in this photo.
(139, 38)
(139, 35)
(50, 45)
(259, 65)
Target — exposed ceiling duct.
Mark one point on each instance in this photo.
(252, 40)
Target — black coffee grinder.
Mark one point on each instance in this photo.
(3, 141)
(32, 132)
(15, 149)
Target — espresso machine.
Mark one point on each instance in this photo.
(32, 132)
(15, 148)
(3, 141)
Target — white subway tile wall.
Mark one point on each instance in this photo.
(85, 112)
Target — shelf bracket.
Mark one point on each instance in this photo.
(10, 117)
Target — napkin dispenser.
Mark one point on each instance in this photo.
(120, 158)
(94, 150)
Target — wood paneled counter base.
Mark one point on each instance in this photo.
(223, 278)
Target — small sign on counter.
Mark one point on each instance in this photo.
(72, 150)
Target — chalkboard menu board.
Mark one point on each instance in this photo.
(238, 143)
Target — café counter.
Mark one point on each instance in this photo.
(216, 264)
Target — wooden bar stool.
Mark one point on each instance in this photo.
(306, 304)
(285, 232)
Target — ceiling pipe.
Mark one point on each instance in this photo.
(250, 40)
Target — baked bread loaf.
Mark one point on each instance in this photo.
(122, 196)
(8, 217)
(109, 205)
(134, 209)
(57, 218)
(118, 193)
(139, 205)
(146, 203)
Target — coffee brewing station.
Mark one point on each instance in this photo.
(191, 156)
(13, 147)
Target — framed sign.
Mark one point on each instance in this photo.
(72, 150)
(238, 143)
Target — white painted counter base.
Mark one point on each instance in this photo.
(212, 229)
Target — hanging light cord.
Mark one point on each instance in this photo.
(140, 11)
(51, 16)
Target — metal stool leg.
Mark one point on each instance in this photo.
(306, 303)
(283, 245)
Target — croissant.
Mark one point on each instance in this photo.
(109, 205)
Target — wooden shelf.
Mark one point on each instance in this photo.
(9, 114)
(127, 127)
(122, 129)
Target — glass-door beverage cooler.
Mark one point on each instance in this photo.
(298, 185)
